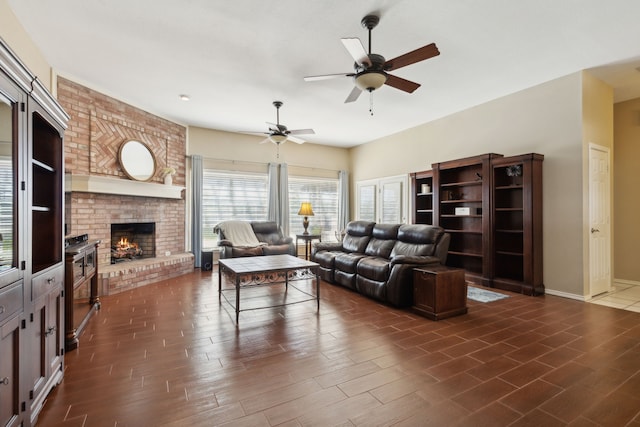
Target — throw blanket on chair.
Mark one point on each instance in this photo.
(240, 234)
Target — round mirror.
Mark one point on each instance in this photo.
(137, 160)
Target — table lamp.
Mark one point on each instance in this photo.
(306, 211)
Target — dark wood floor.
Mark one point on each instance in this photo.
(170, 354)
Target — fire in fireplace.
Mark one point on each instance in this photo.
(132, 241)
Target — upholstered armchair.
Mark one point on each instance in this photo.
(252, 238)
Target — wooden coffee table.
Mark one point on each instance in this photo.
(266, 270)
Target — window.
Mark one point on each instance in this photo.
(367, 205)
(323, 195)
(382, 200)
(6, 214)
(230, 195)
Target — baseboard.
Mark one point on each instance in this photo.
(626, 282)
(565, 295)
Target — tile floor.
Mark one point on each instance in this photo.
(621, 295)
(170, 354)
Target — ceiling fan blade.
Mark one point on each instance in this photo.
(356, 50)
(355, 93)
(295, 139)
(402, 84)
(252, 132)
(420, 54)
(326, 77)
(301, 132)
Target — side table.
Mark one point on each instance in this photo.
(307, 239)
(439, 292)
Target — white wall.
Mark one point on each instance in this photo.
(545, 119)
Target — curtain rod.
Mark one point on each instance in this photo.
(247, 162)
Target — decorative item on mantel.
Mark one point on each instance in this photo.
(168, 173)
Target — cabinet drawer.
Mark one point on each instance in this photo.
(46, 282)
(10, 301)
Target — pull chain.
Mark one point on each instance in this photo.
(371, 102)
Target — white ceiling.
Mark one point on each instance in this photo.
(234, 58)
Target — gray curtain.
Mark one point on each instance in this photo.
(273, 207)
(284, 199)
(343, 200)
(196, 211)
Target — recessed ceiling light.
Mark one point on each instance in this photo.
(184, 97)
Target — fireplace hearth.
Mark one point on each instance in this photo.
(133, 240)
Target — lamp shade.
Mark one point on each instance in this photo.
(370, 80)
(305, 209)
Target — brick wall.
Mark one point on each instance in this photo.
(98, 125)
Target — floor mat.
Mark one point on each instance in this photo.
(482, 295)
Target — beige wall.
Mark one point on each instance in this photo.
(12, 32)
(545, 119)
(626, 176)
(244, 152)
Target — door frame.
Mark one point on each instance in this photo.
(609, 229)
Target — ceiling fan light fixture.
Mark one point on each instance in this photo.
(370, 80)
(277, 138)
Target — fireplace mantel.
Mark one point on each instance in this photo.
(123, 187)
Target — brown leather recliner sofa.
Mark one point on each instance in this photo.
(377, 260)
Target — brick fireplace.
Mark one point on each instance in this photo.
(98, 126)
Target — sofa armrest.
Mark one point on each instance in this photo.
(442, 249)
(225, 243)
(327, 246)
(414, 259)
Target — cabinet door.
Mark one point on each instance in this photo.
(36, 336)
(46, 334)
(11, 200)
(54, 331)
(9, 373)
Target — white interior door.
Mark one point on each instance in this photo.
(599, 220)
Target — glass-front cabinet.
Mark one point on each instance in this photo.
(11, 284)
(32, 125)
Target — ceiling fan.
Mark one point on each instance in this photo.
(371, 70)
(279, 133)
